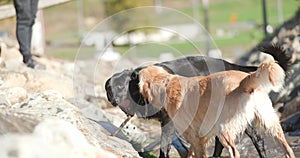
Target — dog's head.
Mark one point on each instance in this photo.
(153, 81)
(122, 90)
(117, 91)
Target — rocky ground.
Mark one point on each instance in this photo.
(63, 112)
(41, 108)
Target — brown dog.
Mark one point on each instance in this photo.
(221, 105)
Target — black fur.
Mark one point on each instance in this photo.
(278, 53)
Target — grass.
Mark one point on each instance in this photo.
(219, 12)
(61, 27)
(245, 11)
(249, 10)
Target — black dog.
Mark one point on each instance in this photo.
(123, 91)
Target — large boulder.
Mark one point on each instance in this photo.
(36, 81)
(50, 138)
(51, 104)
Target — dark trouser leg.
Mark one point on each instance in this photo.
(257, 141)
(181, 145)
(25, 11)
(218, 148)
(34, 4)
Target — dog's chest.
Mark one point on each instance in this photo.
(184, 98)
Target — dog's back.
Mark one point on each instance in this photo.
(201, 96)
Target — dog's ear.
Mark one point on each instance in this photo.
(145, 85)
(108, 90)
(146, 91)
(134, 75)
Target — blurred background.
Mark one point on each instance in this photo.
(235, 25)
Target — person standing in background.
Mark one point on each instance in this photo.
(26, 13)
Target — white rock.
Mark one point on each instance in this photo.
(39, 81)
(13, 79)
(51, 94)
(10, 53)
(52, 105)
(16, 94)
(51, 138)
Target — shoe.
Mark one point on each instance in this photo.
(35, 65)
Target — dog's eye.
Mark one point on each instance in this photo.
(120, 86)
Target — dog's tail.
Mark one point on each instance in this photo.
(278, 53)
(269, 76)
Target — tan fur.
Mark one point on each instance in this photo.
(222, 104)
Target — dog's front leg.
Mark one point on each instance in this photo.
(167, 132)
(199, 147)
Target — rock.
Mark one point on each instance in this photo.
(51, 104)
(4, 102)
(65, 140)
(13, 65)
(52, 95)
(12, 58)
(292, 123)
(62, 67)
(111, 122)
(15, 94)
(10, 53)
(95, 95)
(89, 110)
(291, 107)
(12, 79)
(28, 97)
(16, 122)
(38, 81)
(68, 69)
(2, 62)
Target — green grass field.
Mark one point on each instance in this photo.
(249, 11)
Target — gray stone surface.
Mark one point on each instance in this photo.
(29, 98)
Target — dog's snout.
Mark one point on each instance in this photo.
(117, 100)
(114, 101)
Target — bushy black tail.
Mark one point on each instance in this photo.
(278, 53)
(269, 76)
